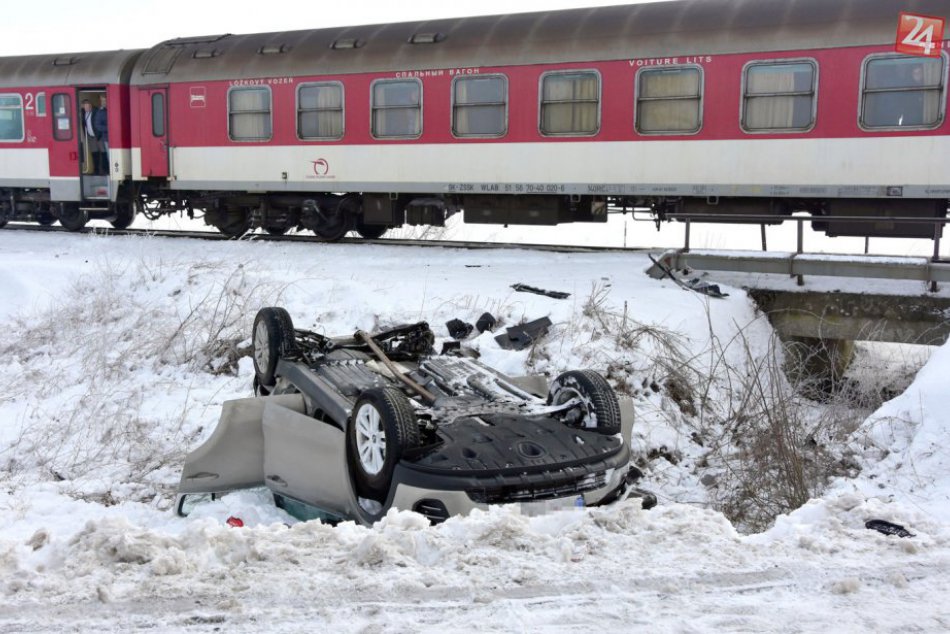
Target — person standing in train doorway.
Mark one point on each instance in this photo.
(90, 143)
(100, 125)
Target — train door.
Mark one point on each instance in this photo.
(154, 132)
(93, 145)
(63, 155)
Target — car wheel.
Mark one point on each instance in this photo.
(383, 425)
(72, 217)
(273, 338)
(599, 409)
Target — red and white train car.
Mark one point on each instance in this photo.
(44, 175)
(731, 108)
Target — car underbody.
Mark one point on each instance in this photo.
(350, 427)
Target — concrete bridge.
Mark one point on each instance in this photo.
(820, 327)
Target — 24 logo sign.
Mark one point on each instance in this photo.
(919, 35)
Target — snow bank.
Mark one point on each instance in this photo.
(903, 446)
(117, 367)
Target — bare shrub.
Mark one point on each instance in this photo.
(90, 418)
(776, 448)
(762, 448)
(631, 354)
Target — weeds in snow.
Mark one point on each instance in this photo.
(758, 444)
(94, 365)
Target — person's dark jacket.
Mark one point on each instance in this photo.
(100, 124)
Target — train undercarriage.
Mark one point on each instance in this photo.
(332, 215)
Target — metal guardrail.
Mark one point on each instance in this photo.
(799, 264)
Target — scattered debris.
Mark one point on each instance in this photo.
(522, 336)
(451, 347)
(459, 329)
(235, 522)
(695, 284)
(888, 528)
(486, 322)
(524, 288)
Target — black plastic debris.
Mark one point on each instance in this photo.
(524, 288)
(486, 322)
(705, 288)
(524, 335)
(888, 528)
(459, 329)
(697, 285)
(451, 347)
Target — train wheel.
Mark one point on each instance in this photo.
(46, 219)
(124, 215)
(334, 227)
(3, 223)
(371, 232)
(335, 221)
(276, 231)
(72, 217)
(235, 224)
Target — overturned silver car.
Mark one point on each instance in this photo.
(349, 427)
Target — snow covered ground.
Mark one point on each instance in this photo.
(118, 353)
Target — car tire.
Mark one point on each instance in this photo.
(600, 410)
(382, 427)
(272, 338)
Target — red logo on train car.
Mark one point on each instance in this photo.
(919, 35)
(320, 167)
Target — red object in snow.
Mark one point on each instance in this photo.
(235, 522)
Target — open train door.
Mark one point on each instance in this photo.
(154, 134)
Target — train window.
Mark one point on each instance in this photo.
(570, 103)
(397, 108)
(11, 118)
(158, 114)
(779, 96)
(62, 117)
(41, 104)
(249, 114)
(903, 91)
(480, 106)
(669, 100)
(320, 111)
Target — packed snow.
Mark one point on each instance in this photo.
(119, 351)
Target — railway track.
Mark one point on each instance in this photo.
(265, 237)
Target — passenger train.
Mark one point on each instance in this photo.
(719, 108)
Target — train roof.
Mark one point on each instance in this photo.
(68, 69)
(685, 27)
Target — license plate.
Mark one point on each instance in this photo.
(543, 507)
